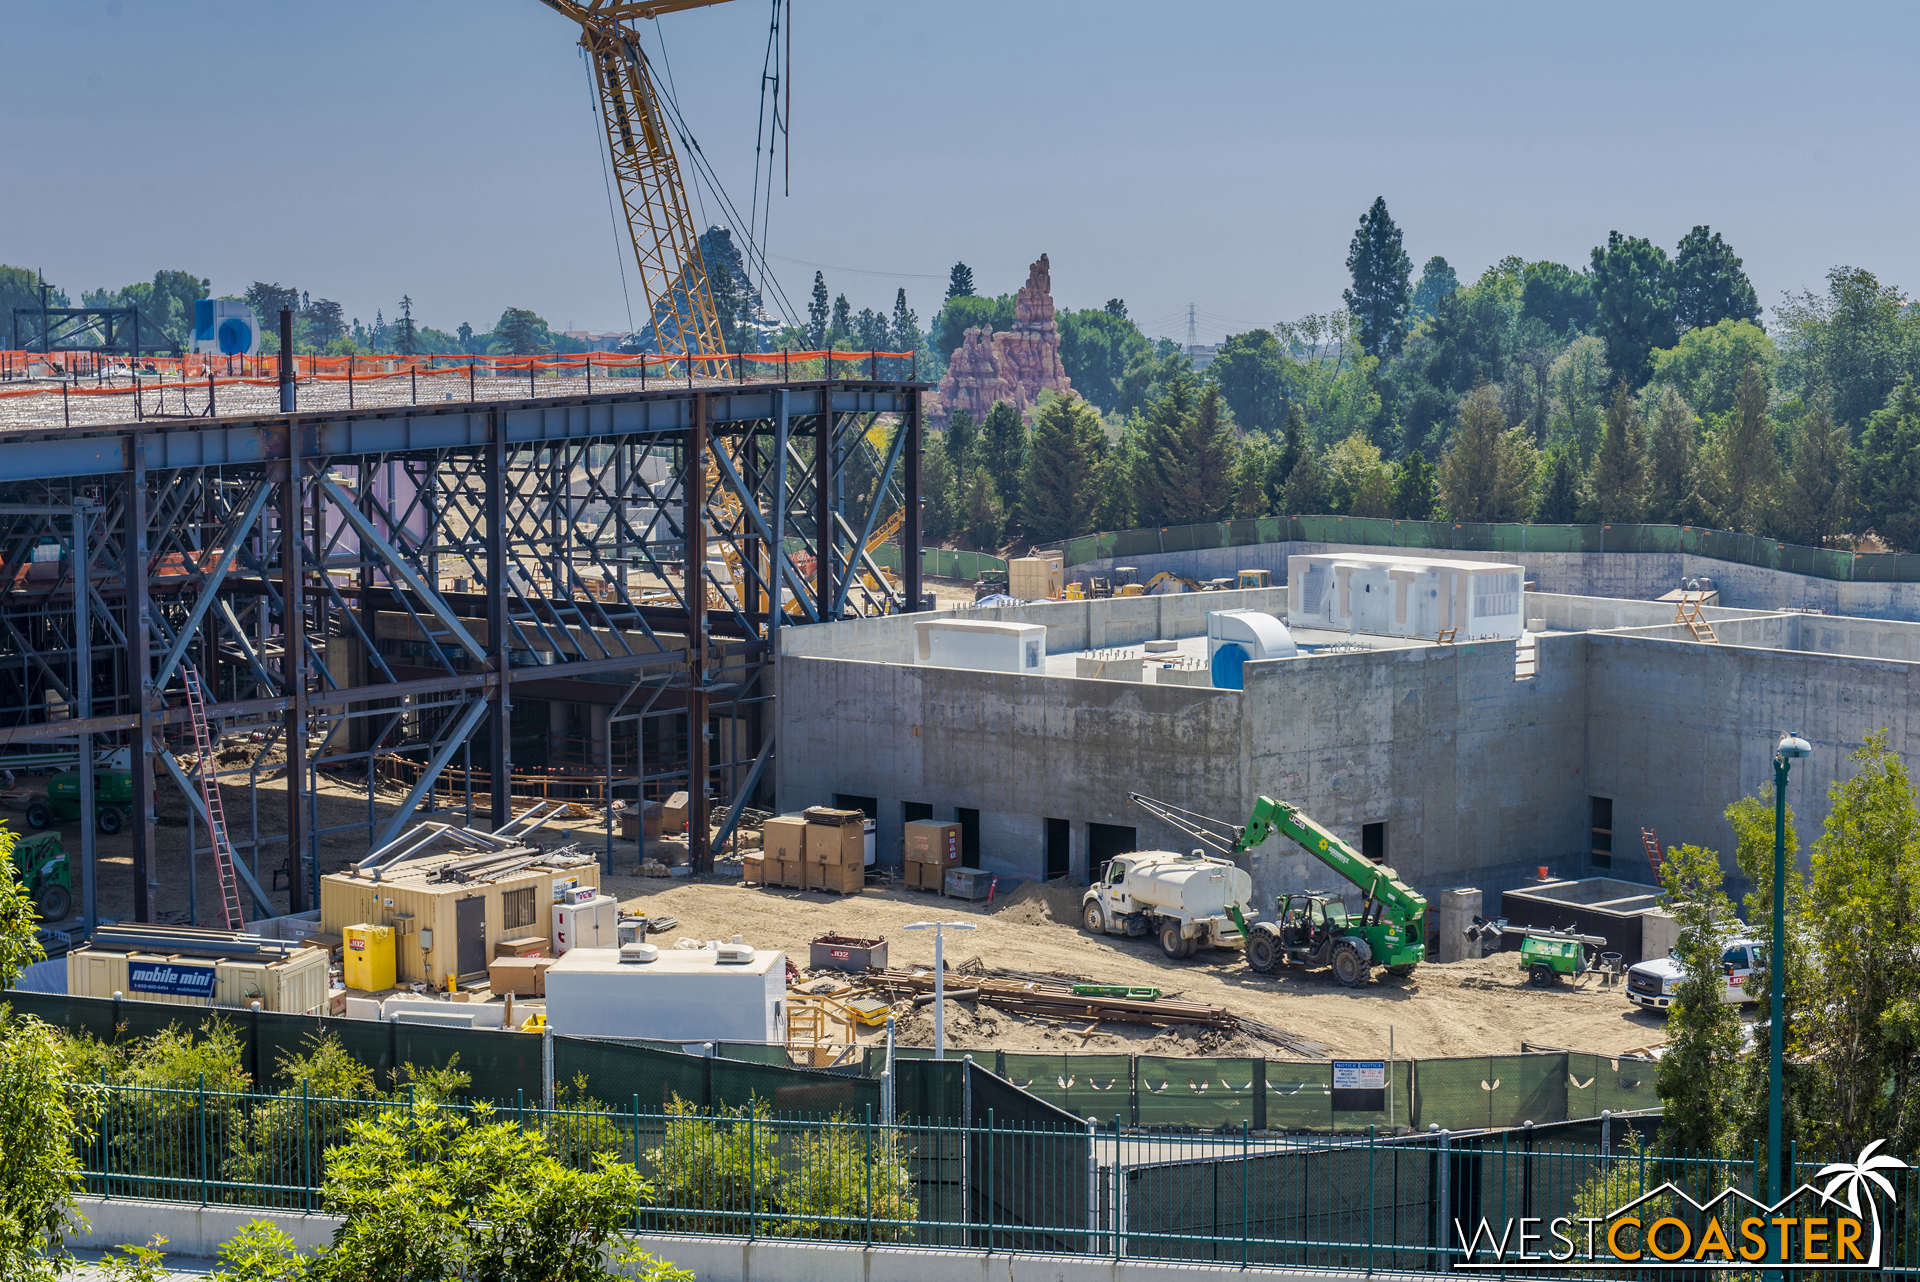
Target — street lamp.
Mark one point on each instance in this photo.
(1790, 749)
(939, 929)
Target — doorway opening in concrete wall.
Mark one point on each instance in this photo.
(1601, 817)
(1104, 841)
(1059, 848)
(914, 811)
(969, 821)
(868, 806)
(1373, 841)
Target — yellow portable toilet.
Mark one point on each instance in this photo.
(369, 957)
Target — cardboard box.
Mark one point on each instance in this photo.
(534, 946)
(673, 816)
(792, 873)
(926, 877)
(521, 976)
(753, 870)
(841, 879)
(835, 846)
(784, 838)
(931, 842)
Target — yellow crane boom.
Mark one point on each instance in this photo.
(666, 245)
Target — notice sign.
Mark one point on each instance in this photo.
(171, 979)
(1359, 1086)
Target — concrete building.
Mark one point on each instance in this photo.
(1461, 764)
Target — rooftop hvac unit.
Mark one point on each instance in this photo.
(222, 327)
(1236, 636)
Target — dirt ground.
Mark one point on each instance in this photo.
(948, 593)
(1465, 1008)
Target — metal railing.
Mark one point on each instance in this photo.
(1374, 1203)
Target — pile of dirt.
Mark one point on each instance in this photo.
(981, 1029)
(1040, 903)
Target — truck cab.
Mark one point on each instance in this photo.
(1652, 984)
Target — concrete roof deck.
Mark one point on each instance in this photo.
(1311, 641)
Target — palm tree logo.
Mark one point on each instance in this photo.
(1858, 1179)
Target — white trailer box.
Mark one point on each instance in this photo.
(590, 923)
(1405, 596)
(683, 995)
(982, 645)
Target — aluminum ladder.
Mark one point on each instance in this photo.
(203, 773)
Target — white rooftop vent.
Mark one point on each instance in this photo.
(637, 954)
(733, 954)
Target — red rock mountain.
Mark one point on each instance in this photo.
(1014, 367)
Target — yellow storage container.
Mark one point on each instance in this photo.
(369, 957)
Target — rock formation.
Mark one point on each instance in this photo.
(1014, 367)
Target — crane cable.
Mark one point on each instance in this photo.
(606, 173)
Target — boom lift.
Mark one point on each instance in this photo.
(1313, 928)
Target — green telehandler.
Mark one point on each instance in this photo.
(1314, 929)
(40, 862)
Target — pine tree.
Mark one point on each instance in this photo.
(1116, 496)
(1413, 489)
(1560, 505)
(1890, 468)
(466, 337)
(1116, 307)
(1293, 441)
(1002, 450)
(982, 510)
(960, 281)
(1306, 489)
(1381, 292)
(1188, 467)
(906, 326)
(1709, 285)
(1748, 463)
(1672, 452)
(939, 519)
(1488, 473)
(1818, 494)
(842, 327)
(1616, 489)
(1252, 474)
(1059, 496)
(817, 313)
(404, 331)
(959, 438)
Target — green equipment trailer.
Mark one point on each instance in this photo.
(1315, 929)
(1547, 956)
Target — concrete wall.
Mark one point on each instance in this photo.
(1565, 613)
(1638, 575)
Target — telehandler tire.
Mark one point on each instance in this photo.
(1348, 967)
(1265, 955)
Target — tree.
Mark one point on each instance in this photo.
(1858, 340)
(522, 332)
(1616, 491)
(1859, 923)
(1748, 463)
(168, 302)
(1257, 480)
(870, 331)
(1253, 375)
(1413, 489)
(1487, 473)
(1560, 505)
(1673, 437)
(267, 300)
(1705, 364)
(1558, 297)
(1817, 496)
(327, 323)
(938, 520)
(818, 309)
(1095, 348)
(1437, 281)
(962, 314)
(982, 510)
(1633, 286)
(1306, 489)
(1002, 450)
(958, 439)
(1578, 380)
(1359, 481)
(1187, 473)
(1059, 498)
(1697, 1078)
(20, 287)
(960, 282)
(404, 335)
(1116, 307)
(1890, 468)
(466, 335)
(1380, 294)
(904, 332)
(1708, 283)
(44, 1117)
(840, 328)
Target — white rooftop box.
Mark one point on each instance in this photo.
(982, 645)
(1236, 636)
(1405, 596)
(735, 994)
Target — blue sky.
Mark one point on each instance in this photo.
(1209, 153)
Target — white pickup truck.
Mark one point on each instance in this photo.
(1652, 984)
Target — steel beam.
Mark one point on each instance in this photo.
(191, 792)
(449, 744)
(210, 586)
(699, 851)
(394, 560)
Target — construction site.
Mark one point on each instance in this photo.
(597, 719)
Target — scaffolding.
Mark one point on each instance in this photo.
(358, 585)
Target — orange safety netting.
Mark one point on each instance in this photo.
(264, 371)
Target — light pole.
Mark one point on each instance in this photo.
(939, 929)
(1790, 749)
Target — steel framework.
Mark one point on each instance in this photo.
(360, 588)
